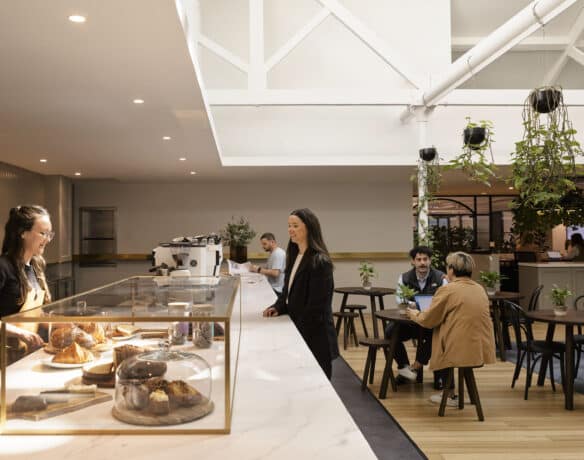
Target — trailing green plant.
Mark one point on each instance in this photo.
(366, 272)
(473, 160)
(405, 293)
(490, 279)
(237, 233)
(559, 295)
(544, 170)
(430, 170)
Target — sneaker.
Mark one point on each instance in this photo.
(408, 373)
(452, 401)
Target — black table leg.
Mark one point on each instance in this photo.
(388, 371)
(569, 372)
(374, 316)
(499, 331)
(344, 301)
(543, 365)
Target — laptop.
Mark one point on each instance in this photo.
(423, 301)
(554, 255)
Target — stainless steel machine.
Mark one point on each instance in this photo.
(201, 255)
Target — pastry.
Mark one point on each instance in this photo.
(73, 354)
(136, 396)
(156, 383)
(125, 352)
(125, 330)
(62, 338)
(159, 404)
(95, 329)
(142, 370)
(83, 338)
(182, 394)
(29, 403)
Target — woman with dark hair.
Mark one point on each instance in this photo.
(22, 279)
(576, 249)
(308, 288)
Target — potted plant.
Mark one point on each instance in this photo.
(238, 234)
(559, 296)
(490, 280)
(544, 166)
(366, 272)
(473, 161)
(405, 294)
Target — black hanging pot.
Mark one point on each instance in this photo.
(474, 137)
(545, 100)
(428, 154)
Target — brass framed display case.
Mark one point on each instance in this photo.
(162, 352)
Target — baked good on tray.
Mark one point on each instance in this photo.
(124, 352)
(95, 330)
(73, 354)
(159, 403)
(182, 394)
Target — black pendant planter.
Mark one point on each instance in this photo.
(238, 254)
(428, 154)
(474, 137)
(545, 100)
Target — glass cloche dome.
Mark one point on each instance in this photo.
(163, 388)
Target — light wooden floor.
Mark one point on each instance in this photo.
(539, 428)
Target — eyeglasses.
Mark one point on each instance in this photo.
(47, 235)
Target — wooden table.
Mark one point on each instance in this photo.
(398, 319)
(373, 293)
(496, 300)
(572, 318)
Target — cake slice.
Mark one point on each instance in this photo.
(159, 404)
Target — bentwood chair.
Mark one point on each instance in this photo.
(530, 349)
(578, 338)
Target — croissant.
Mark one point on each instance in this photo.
(62, 338)
(95, 329)
(73, 354)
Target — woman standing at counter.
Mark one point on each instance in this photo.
(308, 288)
(22, 279)
(576, 249)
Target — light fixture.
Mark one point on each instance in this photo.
(511, 188)
(43, 160)
(193, 173)
(483, 193)
(77, 173)
(77, 18)
(182, 159)
(138, 101)
(166, 138)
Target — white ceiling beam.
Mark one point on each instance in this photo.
(297, 38)
(516, 29)
(257, 78)
(577, 55)
(372, 41)
(224, 54)
(575, 32)
(547, 43)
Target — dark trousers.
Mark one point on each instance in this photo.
(407, 332)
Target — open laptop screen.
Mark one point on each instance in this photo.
(423, 301)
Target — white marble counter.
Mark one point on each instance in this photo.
(284, 407)
(566, 264)
(563, 274)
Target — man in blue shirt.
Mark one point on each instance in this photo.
(276, 264)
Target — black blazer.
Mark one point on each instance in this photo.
(310, 304)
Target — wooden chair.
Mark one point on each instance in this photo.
(372, 346)
(359, 308)
(578, 338)
(465, 375)
(347, 318)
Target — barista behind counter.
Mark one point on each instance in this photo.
(276, 264)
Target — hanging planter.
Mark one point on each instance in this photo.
(428, 154)
(474, 137)
(545, 99)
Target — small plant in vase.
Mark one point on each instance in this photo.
(238, 234)
(559, 296)
(405, 295)
(367, 273)
(490, 280)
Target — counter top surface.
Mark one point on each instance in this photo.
(566, 264)
(284, 407)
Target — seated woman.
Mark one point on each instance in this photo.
(576, 249)
(461, 322)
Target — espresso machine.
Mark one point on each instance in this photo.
(200, 255)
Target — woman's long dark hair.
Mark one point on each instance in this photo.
(316, 244)
(20, 220)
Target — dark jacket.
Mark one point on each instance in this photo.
(433, 282)
(310, 304)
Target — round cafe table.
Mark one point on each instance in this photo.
(497, 300)
(373, 293)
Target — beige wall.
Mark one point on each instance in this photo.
(355, 217)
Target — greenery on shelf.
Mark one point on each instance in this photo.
(405, 293)
(544, 171)
(237, 233)
(559, 295)
(490, 279)
(366, 272)
(473, 160)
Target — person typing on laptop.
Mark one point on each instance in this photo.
(424, 280)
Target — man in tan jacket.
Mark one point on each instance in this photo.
(461, 322)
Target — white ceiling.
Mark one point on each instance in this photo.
(66, 94)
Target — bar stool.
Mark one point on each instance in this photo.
(465, 375)
(359, 308)
(348, 320)
(373, 345)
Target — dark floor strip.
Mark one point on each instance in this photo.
(385, 436)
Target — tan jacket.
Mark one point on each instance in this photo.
(463, 331)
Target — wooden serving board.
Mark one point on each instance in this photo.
(175, 417)
(55, 409)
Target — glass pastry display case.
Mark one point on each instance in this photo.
(147, 354)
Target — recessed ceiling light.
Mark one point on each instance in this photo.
(182, 159)
(193, 173)
(43, 160)
(138, 101)
(166, 138)
(511, 188)
(77, 173)
(77, 18)
(483, 193)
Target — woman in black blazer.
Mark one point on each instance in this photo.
(308, 288)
